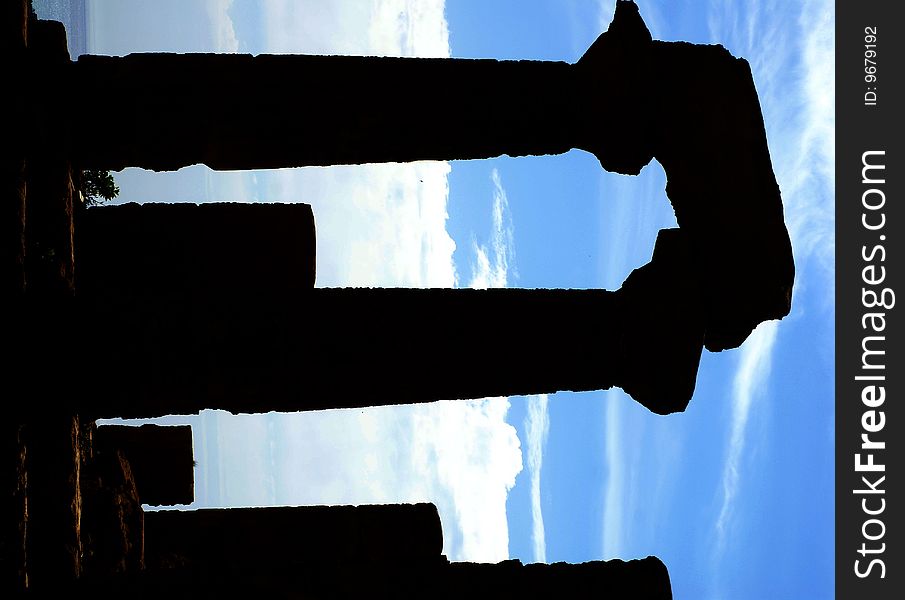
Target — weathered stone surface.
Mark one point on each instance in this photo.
(295, 110)
(335, 348)
(49, 253)
(48, 192)
(12, 226)
(14, 23)
(112, 520)
(662, 307)
(160, 458)
(40, 542)
(13, 506)
(645, 579)
(277, 538)
(194, 253)
(53, 548)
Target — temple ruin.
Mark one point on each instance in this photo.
(197, 324)
(628, 100)
(215, 306)
(729, 264)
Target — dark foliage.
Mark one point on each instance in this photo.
(98, 187)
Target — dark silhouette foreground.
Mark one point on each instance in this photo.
(628, 100)
(195, 309)
(153, 310)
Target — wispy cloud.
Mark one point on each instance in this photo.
(605, 11)
(810, 183)
(797, 99)
(750, 380)
(483, 540)
(383, 225)
(537, 426)
(378, 225)
(614, 500)
(377, 28)
(222, 27)
(792, 59)
(492, 263)
(416, 28)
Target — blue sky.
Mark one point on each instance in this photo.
(735, 494)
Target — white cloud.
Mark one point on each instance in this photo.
(377, 28)
(414, 27)
(124, 26)
(222, 28)
(477, 458)
(316, 27)
(614, 500)
(750, 380)
(377, 225)
(605, 11)
(537, 426)
(809, 185)
(460, 455)
(491, 267)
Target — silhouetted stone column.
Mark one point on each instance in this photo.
(161, 459)
(53, 547)
(272, 539)
(628, 100)
(13, 45)
(645, 578)
(232, 111)
(342, 348)
(202, 254)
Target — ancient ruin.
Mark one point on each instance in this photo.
(699, 117)
(350, 552)
(161, 460)
(196, 323)
(196, 310)
(628, 100)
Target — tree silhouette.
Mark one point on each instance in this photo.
(98, 187)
